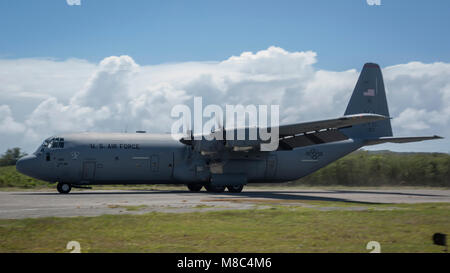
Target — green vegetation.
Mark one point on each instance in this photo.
(405, 228)
(11, 156)
(9, 177)
(363, 168)
(128, 208)
(203, 206)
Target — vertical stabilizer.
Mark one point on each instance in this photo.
(369, 96)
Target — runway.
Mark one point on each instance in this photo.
(17, 205)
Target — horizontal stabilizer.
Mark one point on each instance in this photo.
(399, 139)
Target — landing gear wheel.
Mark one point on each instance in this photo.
(195, 187)
(235, 188)
(63, 188)
(216, 189)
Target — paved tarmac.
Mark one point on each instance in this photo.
(28, 204)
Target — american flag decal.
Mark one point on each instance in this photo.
(369, 92)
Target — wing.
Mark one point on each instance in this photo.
(322, 131)
(315, 126)
(290, 136)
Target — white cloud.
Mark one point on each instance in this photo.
(41, 78)
(273, 62)
(413, 119)
(49, 96)
(8, 126)
(73, 2)
(108, 85)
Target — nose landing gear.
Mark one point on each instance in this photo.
(63, 188)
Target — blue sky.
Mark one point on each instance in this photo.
(345, 34)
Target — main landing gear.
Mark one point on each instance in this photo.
(211, 188)
(63, 188)
(195, 187)
(235, 188)
(216, 189)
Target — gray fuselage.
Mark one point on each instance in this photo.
(141, 158)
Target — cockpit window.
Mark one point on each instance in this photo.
(54, 143)
(51, 143)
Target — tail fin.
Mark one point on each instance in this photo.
(369, 97)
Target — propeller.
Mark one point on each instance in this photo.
(189, 138)
(220, 126)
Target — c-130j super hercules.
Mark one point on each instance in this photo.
(79, 160)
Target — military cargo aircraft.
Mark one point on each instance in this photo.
(84, 159)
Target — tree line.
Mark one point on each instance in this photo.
(11, 156)
(365, 168)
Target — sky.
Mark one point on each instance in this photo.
(115, 65)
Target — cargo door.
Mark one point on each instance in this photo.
(161, 166)
(271, 166)
(88, 170)
(154, 163)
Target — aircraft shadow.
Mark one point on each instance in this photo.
(392, 193)
(290, 196)
(280, 195)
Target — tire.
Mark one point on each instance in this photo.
(217, 189)
(63, 188)
(235, 188)
(195, 187)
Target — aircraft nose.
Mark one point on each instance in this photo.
(26, 164)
